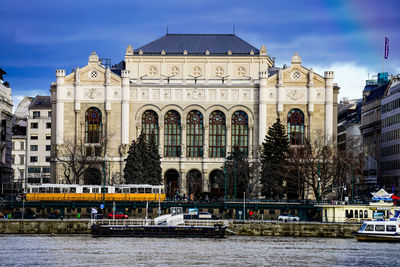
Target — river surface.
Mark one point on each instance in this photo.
(84, 250)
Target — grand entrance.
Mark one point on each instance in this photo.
(217, 183)
(194, 184)
(92, 176)
(171, 181)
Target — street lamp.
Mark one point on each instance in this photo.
(319, 179)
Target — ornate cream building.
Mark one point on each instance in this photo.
(201, 94)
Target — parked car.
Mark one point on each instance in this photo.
(288, 218)
(118, 215)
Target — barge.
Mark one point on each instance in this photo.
(170, 225)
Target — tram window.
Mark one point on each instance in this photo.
(49, 190)
(133, 190)
(390, 228)
(42, 190)
(155, 190)
(104, 190)
(141, 190)
(365, 214)
(370, 227)
(356, 214)
(95, 190)
(379, 228)
(65, 190)
(125, 190)
(147, 190)
(162, 190)
(35, 190)
(118, 190)
(57, 190)
(361, 214)
(72, 190)
(86, 190)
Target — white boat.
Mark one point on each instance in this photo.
(380, 230)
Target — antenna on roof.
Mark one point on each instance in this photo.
(233, 29)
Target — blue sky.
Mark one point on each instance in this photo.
(38, 37)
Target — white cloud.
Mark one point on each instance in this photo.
(17, 98)
(349, 76)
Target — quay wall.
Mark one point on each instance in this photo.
(81, 226)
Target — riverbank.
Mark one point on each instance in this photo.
(248, 228)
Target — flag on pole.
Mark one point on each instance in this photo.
(386, 47)
(94, 210)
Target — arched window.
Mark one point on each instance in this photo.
(93, 125)
(240, 131)
(150, 125)
(172, 134)
(194, 134)
(217, 135)
(295, 127)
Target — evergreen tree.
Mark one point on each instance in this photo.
(144, 158)
(154, 162)
(133, 171)
(238, 173)
(274, 161)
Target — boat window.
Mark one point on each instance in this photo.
(365, 214)
(363, 227)
(379, 228)
(49, 190)
(147, 190)
(390, 228)
(86, 190)
(370, 228)
(356, 214)
(125, 190)
(72, 190)
(42, 190)
(118, 190)
(57, 190)
(133, 190)
(361, 214)
(95, 190)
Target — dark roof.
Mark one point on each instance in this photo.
(395, 88)
(117, 68)
(40, 102)
(377, 92)
(19, 130)
(198, 44)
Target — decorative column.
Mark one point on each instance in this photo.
(125, 107)
(251, 145)
(279, 93)
(183, 137)
(161, 136)
(77, 103)
(310, 102)
(262, 106)
(60, 74)
(328, 106)
(206, 184)
(228, 138)
(206, 144)
(183, 181)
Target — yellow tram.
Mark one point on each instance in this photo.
(73, 192)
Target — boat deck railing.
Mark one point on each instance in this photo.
(147, 222)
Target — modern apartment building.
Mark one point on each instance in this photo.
(39, 140)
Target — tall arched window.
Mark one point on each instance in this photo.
(93, 125)
(194, 134)
(150, 125)
(172, 134)
(295, 127)
(240, 131)
(217, 135)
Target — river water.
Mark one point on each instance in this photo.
(84, 250)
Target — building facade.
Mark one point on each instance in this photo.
(39, 140)
(390, 138)
(201, 94)
(6, 172)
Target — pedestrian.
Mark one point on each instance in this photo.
(79, 216)
(251, 213)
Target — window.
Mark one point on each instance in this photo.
(33, 170)
(356, 214)
(13, 145)
(365, 214)
(361, 214)
(295, 127)
(48, 159)
(380, 228)
(172, 134)
(48, 125)
(240, 131)
(34, 137)
(48, 147)
(194, 134)
(48, 137)
(150, 125)
(21, 159)
(22, 143)
(217, 135)
(93, 125)
(49, 114)
(34, 125)
(46, 170)
(390, 228)
(34, 148)
(13, 160)
(34, 159)
(370, 228)
(36, 114)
